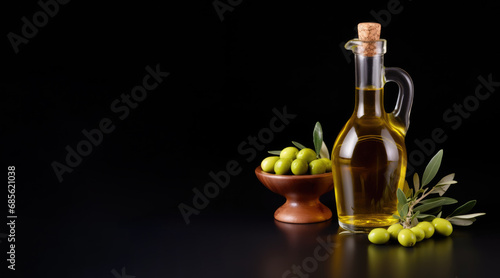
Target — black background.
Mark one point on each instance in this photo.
(226, 77)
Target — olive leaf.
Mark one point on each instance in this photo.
(414, 219)
(324, 151)
(461, 222)
(274, 152)
(429, 204)
(464, 219)
(435, 210)
(425, 217)
(469, 216)
(407, 191)
(351, 232)
(404, 211)
(432, 168)
(448, 179)
(298, 145)
(416, 182)
(444, 184)
(402, 202)
(401, 198)
(415, 215)
(444, 200)
(463, 208)
(317, 138)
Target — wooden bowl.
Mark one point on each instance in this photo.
(302, 196)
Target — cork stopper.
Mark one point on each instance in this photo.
(368, 32)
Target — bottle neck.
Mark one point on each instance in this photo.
(369, 71)
(369, 86)
(369, 103)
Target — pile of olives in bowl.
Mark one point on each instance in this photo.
(293, 161)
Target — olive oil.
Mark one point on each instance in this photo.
(369, 164)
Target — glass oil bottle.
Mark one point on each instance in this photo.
(369, 155)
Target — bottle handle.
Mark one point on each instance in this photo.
(401, 113)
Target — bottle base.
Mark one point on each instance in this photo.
(365, 223)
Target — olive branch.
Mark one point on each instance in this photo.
(413, 208)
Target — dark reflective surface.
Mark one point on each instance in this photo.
(223, 245)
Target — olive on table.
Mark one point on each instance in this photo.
(379, 236)
(442, 226)
(407, 238)
(419, 233)
(427, 227)
(394, 230)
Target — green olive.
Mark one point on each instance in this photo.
(394, 230)
(289, 152)
(427, 227)
(317, 167)
(407, 238)
(267, 164)
(442, 226)
(379, 236)
(299, 166)
(328, 164)
(419, 233)
(307, 154)
(282, 166)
